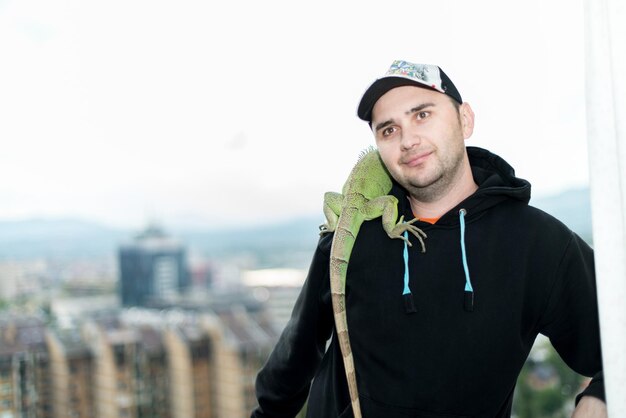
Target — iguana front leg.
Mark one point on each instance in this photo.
(333, 203)
(387, 207)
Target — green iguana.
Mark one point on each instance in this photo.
(364, 197)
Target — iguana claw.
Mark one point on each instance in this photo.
(401, 227)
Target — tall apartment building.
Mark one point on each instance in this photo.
(152, 268)
(192, 370)
(213, 357)
(243, 340)
(71, 370)
(25, 390)
(109, 369)
(130, 371)
(135, 363)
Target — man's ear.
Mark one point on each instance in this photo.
(466, 114)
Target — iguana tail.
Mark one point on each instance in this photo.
(343, 241)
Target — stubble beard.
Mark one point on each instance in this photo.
(439, 182)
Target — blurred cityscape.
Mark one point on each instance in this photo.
(101, 322)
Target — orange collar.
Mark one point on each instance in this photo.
(431, 221)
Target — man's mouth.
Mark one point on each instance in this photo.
(416, 159)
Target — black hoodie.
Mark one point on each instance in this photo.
(496, 272)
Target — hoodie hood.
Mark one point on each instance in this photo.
(496, 182)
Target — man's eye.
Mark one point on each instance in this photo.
(422, 115)
(388, 131)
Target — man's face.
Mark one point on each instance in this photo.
(420, 136)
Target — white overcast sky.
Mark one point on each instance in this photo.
(225, 112)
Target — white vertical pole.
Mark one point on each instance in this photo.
(605, 56)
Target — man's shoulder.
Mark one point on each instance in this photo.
(543, 224)
(546, 219)
(528, 213)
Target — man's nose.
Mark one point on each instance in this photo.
(410, 137)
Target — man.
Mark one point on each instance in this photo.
(496, 272)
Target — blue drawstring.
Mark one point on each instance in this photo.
(407, 290)
(468, 301)
(409, 304)
(469, 290)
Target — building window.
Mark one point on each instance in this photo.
(120, 355)
(6, 389)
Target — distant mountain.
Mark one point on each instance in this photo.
(56, 238)
(289, 244)
(71, 238)
(301, 233)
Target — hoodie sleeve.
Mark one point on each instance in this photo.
(595, 388)
(571, 316)
(282, 385)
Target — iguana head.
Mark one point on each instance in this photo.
(369, 175)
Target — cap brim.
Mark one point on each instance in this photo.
(378, 89)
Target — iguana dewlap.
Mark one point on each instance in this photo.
(364, 197)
